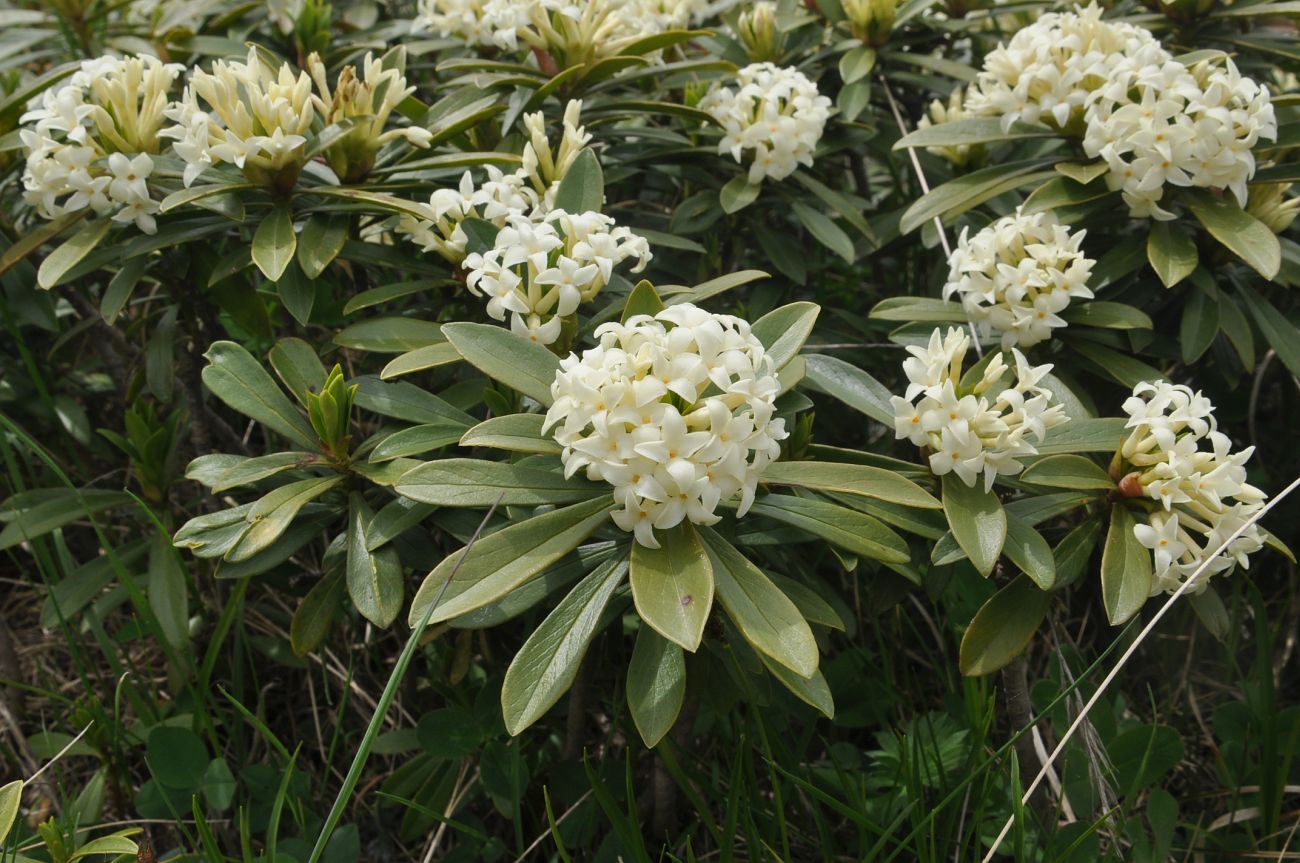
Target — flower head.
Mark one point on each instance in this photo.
(1016, 276)
(674, 411)
(984, 428)
(1178, 459)
(774, 111)
(90, 141)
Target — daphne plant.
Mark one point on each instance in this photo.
(655, 445)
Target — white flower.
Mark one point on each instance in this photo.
(674, 411)
(1016, 276)
(1182, 462)
(774, 111)
(1048, 71)
(983, 429)
(90, 140)
(257, 119)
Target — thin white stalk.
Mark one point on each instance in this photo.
(55, 759)
(1123, 660)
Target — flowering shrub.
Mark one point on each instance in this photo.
(647, 373)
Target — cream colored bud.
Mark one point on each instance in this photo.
(758, 32)
(1268, 203)
(870, 20)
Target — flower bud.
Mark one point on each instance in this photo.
(1268, 203)
(758, 32)
(1184, 12)
(870, 20)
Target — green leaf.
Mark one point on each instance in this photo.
(235, 377)
(407, 402)
(421, 359)
(274, 243)
(851, 479)
(826, 231)
(970, 190)
(63, 507)
(417, 440)
(851, 385)
(1089, 434)
(813, 691)
(1125, 569)
(168, 591)
(476, 483)
(1073, 553)
(1026, 548)
(250, 470)
(672, 585)
(583, 187)
(70, 253)
(296, 293)
(712, 288)
(643, 300)
(1120, 366)
(547, 663)
(656, 685)
(1245, 236)
(847, 528)
(1279, 332)
(857, 63)
(1082, 174)
(120, 288)
(500, 562)
(1172, 253)
(1212, 613)
(973, 130)
(977, 522)
(177, 757)
(515, 432)
(784, 330)
(1200, 321)
(389, 335)
(374, 577)
(503, 356)
(765, 616)
(918, 309)
(115, 845)
(274, 512)
(11, 797)
(1060, 192)
(311, 621)
(1067, 471)
(1111, 316)
(738, 193)
(1001, 629)
(322, 240)
(160, 361)
(298, 367)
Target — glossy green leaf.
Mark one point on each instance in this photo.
(374, 577)
(547, 663)
(1199, 324)
(1171, 251)
(1125, 569)
(388, 335)
(672, 585)
(1067, 471)
(643, 300)
(1245, 236)
(321, 241)
(169, 591)
(1282, 335)
(918, 309)
(421, 359)
(1026, 548)
(177, 757)
(516, 432)
(60, 262)
(274, 512)
(11, 798)
(765, 616)
(813, 691)
(250, 470)
(849, 529)
(1111, 316)
(274, 243)
(784, 330)
(851, 479)
(583, 187)
(857, 63)
(478, 483)
(500, 562)
(738, 193)
(973, 130)
(1002, 628)
(851, 385)
(312, 619)
(969, 190)
(656, 685)
(977, 522)
(235, 377)
(825, 231)
(1090, 434)
(298, 366)
(503, 356)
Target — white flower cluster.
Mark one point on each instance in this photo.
(540, 271)
(543, 262)
(1050, 69)
(529, 191)
(1181, 460)
(674, 411)
(1017, 275)
(774, 111)
(91, 139)
(257, 119)
(571, 31)
(1154, 121)
(985, 428)
(1164, 124)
